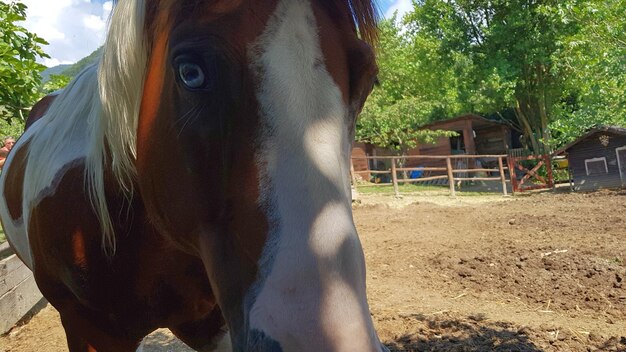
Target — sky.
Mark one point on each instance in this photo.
(75, 28)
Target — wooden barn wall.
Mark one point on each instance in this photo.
(492, 140)
(358, 151)
(591, 148)
(440, 147)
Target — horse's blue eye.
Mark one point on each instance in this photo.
(191, 75)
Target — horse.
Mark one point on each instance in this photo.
(197, 178)
(38, 110)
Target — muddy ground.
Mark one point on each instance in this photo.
(540, 272)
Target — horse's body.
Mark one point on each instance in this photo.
(39, 109)
(244, 221)
(109, 301)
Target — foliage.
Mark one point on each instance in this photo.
(551, 69)
(401, 104)
(56, 82)
(19, 71)
(512, 48)
(596, 56)
(397, 126)
(11, 128)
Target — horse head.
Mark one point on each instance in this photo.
(243, 143)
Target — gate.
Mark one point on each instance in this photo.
(527, 175)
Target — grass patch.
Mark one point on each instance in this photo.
(413, 188)
(2, 236)
(403, 188)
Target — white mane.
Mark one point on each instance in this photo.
(97, 113)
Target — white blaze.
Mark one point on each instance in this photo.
(311, 293)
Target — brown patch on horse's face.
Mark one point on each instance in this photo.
(198, 132)
(350, 61)
(196, 146)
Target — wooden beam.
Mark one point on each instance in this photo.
(474, 170)
(20, 292)
(437, 157)
(450, 177)
(502, 176)
(423, 179)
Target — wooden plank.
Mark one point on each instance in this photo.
(423, 179)
(379, 172)
(421, 169)
(17, 302)
(477, 178)
(474, 170)
(439, 157)
(12, 272)
(370, 184)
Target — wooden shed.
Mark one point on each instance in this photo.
(476, 135)
(597, 159)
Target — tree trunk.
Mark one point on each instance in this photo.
(526, 124)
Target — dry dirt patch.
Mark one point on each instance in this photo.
(542, 272)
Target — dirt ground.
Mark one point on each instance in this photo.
(540, 272)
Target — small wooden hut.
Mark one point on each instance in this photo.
(476, 135)
(597, 159)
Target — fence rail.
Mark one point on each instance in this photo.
(452, 175)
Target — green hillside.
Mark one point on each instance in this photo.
(70, 70)
(55, 70)
(74, 69)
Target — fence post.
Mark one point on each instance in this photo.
(550, 175)
(353, 190)
(394, 177)
(512, 174)
(352, 173)
(450, 177)
(502, 176)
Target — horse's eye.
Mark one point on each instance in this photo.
(191, 75)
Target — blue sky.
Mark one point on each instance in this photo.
(75, 28)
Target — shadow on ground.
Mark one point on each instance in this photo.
(444, 334)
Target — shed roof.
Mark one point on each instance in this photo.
(610, 129)
(477, 122)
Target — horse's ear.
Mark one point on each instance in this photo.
(363, 74)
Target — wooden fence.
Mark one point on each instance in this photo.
(18, 290)
(441, 173)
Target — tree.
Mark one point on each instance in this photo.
(19, 71)
(596, 57)
(408, 96)
(55, 83)
(512, 48)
